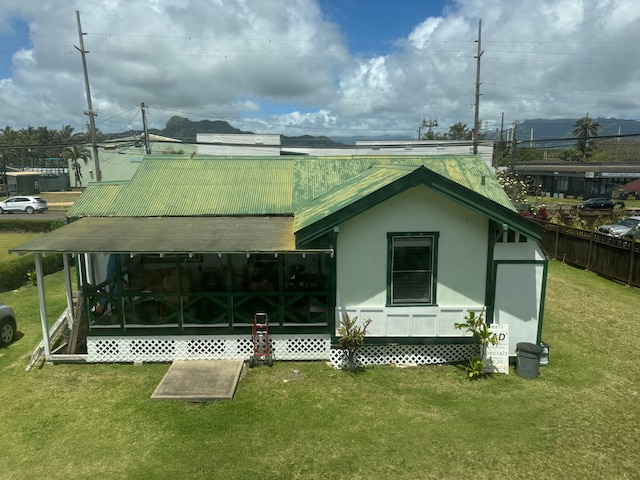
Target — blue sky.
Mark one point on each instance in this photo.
(318, 67)
(375, 26)
(12, 39)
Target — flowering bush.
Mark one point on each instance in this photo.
(515, 188)
(542, 214)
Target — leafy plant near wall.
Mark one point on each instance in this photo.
(482, 336)
(351, 339)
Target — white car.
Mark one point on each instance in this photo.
(25, 204)
(7, 325)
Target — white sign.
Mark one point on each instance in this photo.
(496, 356)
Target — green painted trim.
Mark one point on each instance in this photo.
(208, 331)
(411, 340)
(494, 234)
(434, 266)
(332, 285)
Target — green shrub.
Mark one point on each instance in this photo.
(351, 339)
(14, 274)
(18, 271)
(482, 337)
(30, 225)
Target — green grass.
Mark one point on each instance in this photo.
(306, 420)
(10, 240)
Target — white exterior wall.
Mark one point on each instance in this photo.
(461, 264)
(519, 290)
(245, 144)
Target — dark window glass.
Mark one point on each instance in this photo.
(411, 270)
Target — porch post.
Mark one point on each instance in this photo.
(43, 308)
(67, 284)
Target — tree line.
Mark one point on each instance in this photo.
(587, 148)
(43, 147)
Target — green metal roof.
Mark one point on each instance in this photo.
(179, 186)
(96, 199)
(381, 182)
(233, 204)
(315, 176)
(183, 186)
(349, 192)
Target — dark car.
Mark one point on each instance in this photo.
(7, 325)
(600, 204)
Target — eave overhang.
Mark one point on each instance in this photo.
(169, 235)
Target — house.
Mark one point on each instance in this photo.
(577, 179)
(174, 263)
(120, 158)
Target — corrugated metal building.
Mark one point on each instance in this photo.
(174, 263)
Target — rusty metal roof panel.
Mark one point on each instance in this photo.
(167, 235)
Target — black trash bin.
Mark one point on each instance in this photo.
(528, 359)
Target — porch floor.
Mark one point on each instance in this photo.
(200, 380)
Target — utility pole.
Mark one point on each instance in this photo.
(144, 127)
(513, 148)
(89, 112)
(476, 123)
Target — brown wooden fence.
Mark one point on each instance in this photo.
(614, 258)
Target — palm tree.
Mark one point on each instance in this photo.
(459, 131)
(585, 128)
(72, 154)
(9, 140)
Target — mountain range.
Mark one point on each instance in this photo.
(545, 132)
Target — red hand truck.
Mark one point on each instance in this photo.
(260, 334)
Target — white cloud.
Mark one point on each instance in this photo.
(281, 64)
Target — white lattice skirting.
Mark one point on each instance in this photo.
(406, 354)
(170, 348)
(283, 347)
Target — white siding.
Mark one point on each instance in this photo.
(461, 263)
(518, 299)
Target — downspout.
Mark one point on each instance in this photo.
(67, 284)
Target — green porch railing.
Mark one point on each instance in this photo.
(200, 312)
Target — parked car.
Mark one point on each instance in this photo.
(24, 204)
(600, 204)
(7, 325)
(627, 227)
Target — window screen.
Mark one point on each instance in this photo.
(412, 259)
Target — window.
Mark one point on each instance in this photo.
(411, 268)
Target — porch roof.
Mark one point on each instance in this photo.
(257, 234)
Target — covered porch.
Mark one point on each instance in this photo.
(161, 289)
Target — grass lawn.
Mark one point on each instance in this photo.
(579, 419)
(10, 239)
